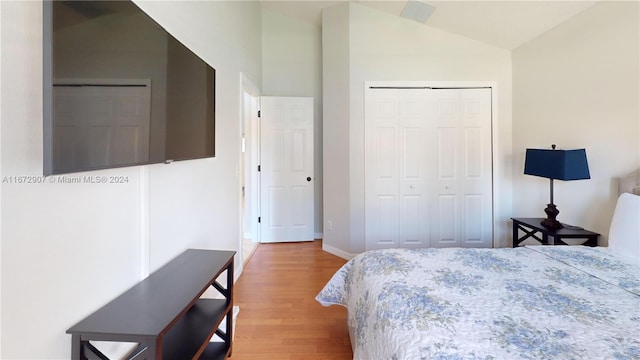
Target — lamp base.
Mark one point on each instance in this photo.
(551, 222)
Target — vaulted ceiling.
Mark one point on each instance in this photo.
(506, 24)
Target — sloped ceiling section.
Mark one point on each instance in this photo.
(505, 24)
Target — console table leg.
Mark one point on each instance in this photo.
(154, 351)
(76, 347)
(230, 314)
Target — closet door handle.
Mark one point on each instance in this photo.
(308, 178)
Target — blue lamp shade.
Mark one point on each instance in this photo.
(557, 164)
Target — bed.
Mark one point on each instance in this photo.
(532, 302)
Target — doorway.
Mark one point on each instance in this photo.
(249, 158)
(276, 169)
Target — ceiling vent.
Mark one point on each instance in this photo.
(417, 10)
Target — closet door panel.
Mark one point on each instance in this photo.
(381, 162)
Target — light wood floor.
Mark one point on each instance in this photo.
(279, 317)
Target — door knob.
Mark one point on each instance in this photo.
(308, 178)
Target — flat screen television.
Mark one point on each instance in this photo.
(119, 90)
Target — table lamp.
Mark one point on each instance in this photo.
(556, 165)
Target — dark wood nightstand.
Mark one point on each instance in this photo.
(531, 227)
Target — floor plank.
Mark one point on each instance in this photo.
(279, 317)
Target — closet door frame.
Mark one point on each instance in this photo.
(492, 85)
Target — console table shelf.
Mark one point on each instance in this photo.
(164, 313)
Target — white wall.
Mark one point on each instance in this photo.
(1, 172)
(335, 147)
(577, 86)
(198, 201)
(292, 66)
(67, 249)
(386, 47)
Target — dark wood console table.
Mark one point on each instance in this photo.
(531, 227)
(164, 313)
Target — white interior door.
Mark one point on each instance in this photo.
(397, 163)
(101, 125)
(286, 169)
(462, 207)
(428, 167)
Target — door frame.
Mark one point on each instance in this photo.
(248, 87)
(495, 161)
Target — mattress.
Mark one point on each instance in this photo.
(534, 302)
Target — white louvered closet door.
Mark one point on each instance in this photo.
(428, 168)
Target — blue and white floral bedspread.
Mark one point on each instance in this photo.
(542, 302)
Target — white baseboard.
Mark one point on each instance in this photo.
(337, 252)
(237, 272)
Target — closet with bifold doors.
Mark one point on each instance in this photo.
(428, 166)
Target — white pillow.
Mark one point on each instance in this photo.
(624, 233)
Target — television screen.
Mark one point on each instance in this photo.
(119, 90)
